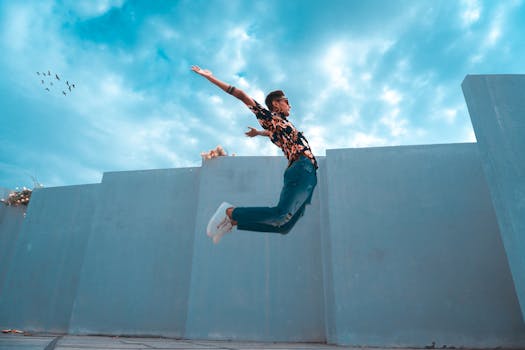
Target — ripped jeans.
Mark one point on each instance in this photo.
(300, 180)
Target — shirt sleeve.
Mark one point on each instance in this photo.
(263, 115)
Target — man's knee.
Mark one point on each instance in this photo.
(281, 223)
(283, 219)
(288, 221)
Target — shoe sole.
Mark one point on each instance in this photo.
(216, 219)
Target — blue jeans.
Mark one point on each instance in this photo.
(300, 180)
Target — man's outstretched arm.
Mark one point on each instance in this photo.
(241, 95)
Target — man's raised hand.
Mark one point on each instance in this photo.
(200, 71)
(252, 132)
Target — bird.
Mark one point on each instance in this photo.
(56, 75)
(38, 73)
(48, 73)
(69, 88)
(47, 89)
(51, 82)
(64, 93)
(73, 85)
(42, 81)
(67, 82)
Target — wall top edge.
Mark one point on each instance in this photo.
(496, 75)
(405, 147)
(148, 170)
(66, 186)
(491, 76)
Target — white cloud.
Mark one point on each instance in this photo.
(470, 12)
(391, 96)
(231, 55)
(469, 135)
(450, 115)
(366, 76)
(92, 8)
(317, 138)
(495, 31)
(349, 119)
(337, 68)
(361, 139)
(162, 30)
(216, 100)
(343, 58)
(397, 127)
(249, 146)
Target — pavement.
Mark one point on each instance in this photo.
(71, 342)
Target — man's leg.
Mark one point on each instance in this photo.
(297, 190)
(283, 229)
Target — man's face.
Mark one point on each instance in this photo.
(283, 105)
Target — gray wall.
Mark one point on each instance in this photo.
(416, 254)
(496, 104)
(136, 271)
(41, 283)
(11, 219)
(254, 286)
(400, 247)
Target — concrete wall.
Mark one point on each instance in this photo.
(416, 255)
(399, 247)
(254, 286)
(136, 271)
(496, 104)
(11, 219)
(41, 283)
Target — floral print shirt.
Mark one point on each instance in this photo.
(284, 134)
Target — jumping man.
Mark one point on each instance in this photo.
(300, 177)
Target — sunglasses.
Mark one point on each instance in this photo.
(285, 99)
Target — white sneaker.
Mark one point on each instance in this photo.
(225, 227)
(219, 221)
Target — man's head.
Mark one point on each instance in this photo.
(276, 101)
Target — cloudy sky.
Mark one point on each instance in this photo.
(357, 73)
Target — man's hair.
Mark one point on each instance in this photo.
(272, 96)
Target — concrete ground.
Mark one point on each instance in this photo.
(69, 342)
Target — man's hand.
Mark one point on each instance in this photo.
(204, 72)
(236, 92)
(254, 132)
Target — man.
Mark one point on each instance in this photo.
(300, 177)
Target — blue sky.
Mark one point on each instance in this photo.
(358, 74)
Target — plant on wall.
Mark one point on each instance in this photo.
(17, 198)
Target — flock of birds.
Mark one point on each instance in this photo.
(49, 82)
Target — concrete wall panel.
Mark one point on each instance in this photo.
(11, 219)
(496, 104)
(136, 273)
(415, 250)
(253, 285)
(41, 283)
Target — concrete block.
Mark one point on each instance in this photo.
(136, 273)
(11, 220)
(416, 254)
(496, 104)
(41, 282)
(253, 285)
